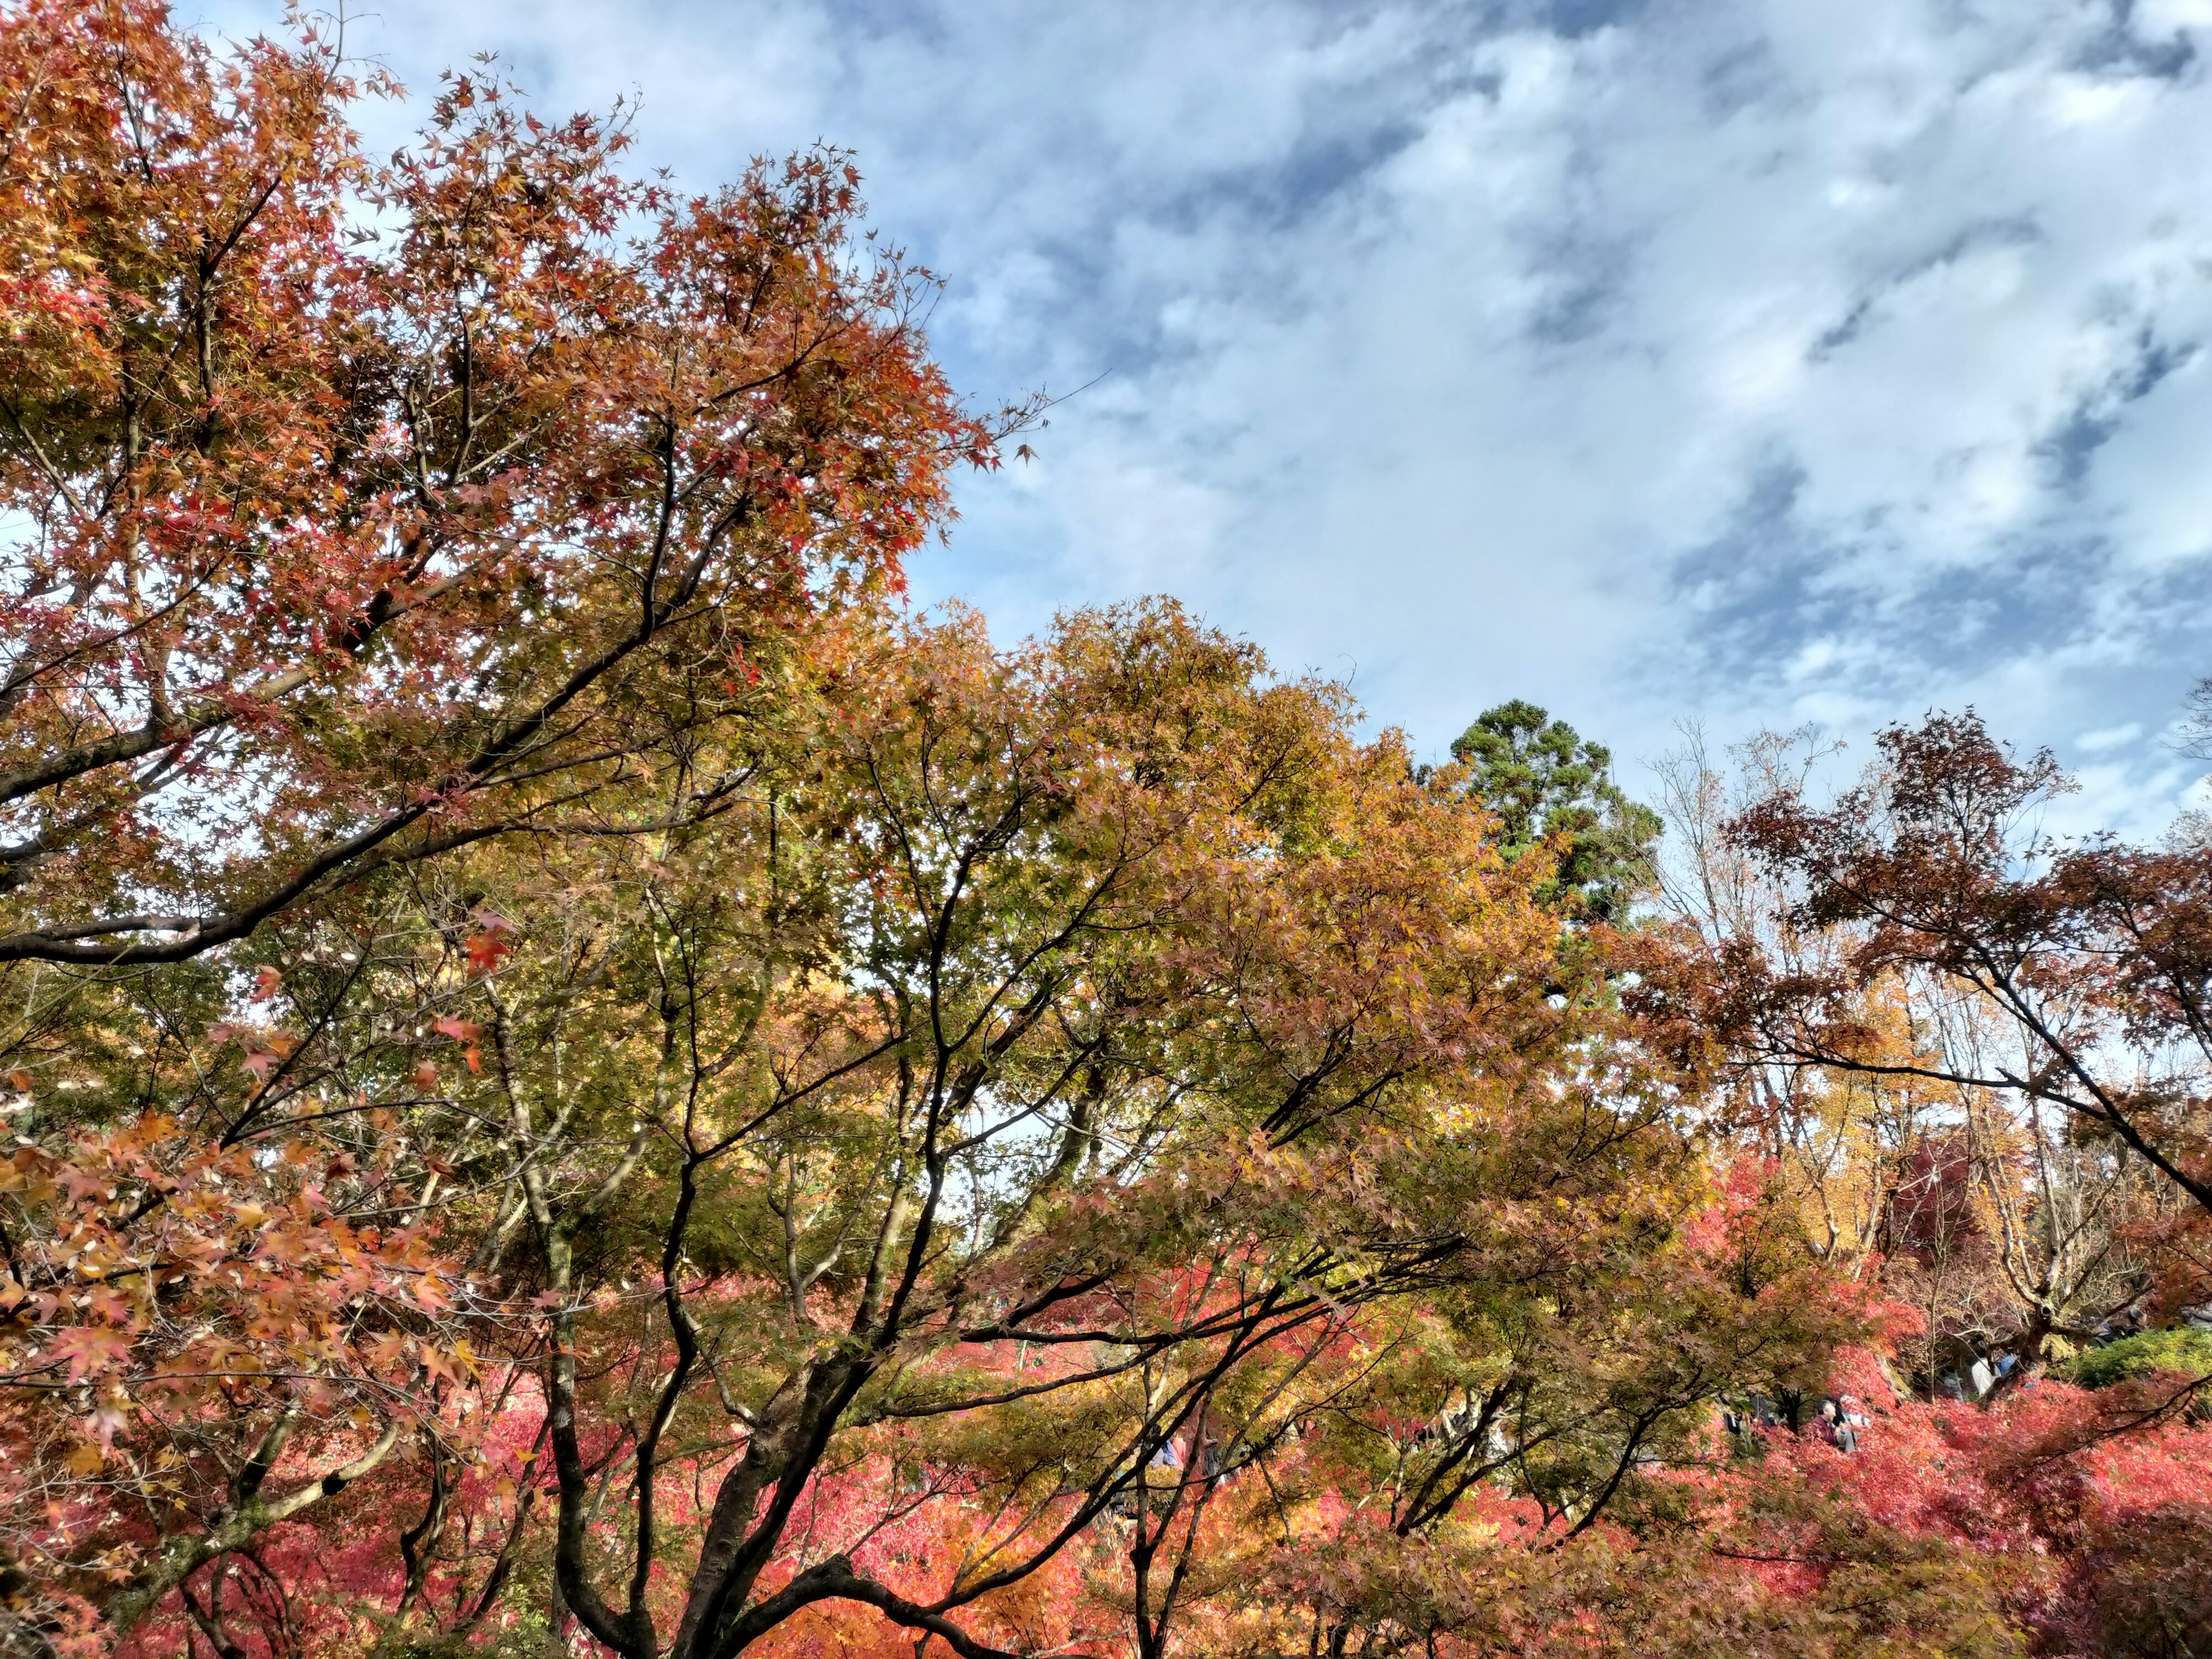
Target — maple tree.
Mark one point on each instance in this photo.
(370, 508)
(2066, 978)
(1049, 1057)
(2005, 1225)
(2069, 944)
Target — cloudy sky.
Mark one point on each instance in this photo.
(1749, 361)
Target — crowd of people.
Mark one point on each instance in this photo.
(1840, 1419)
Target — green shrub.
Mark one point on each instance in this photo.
(2182, 1349)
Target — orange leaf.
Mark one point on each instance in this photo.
(88, 1348)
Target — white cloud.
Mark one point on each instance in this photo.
(2158, 17)
(1755, 359)
(2112, 737)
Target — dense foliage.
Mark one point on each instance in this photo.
(1549, 786)
(579, 1081)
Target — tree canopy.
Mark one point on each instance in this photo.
(1547, 784)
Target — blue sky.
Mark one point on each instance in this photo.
(1750, 361)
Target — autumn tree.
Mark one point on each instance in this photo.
(1054, 1072)
(2088, 958)
(359, 509)
(2007, 1223)
(1046, 1058)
